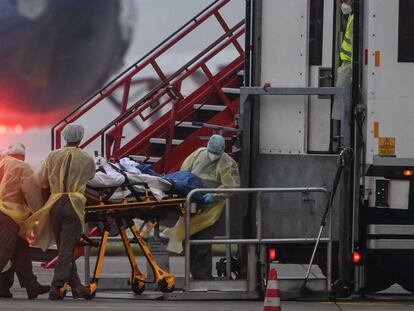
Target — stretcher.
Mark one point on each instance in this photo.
(120, 214)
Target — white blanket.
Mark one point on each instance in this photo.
(113, 178)
(109, 178)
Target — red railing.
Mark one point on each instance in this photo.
(180, 107)
(182, 111)
(170, 86)
(172, 163)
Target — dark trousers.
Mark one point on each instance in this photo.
(67, 230)
(201, 255)
(14, 248)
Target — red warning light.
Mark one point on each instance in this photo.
(408, 173)
(272, 254)
(357, 257)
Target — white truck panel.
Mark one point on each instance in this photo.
(389, 88)
(283, 126)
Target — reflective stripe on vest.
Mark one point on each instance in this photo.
(346, 47)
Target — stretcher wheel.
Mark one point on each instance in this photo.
(90, 296)
(138, 287)
(92, 289)
(163, 286)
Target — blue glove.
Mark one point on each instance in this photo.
(208, 198)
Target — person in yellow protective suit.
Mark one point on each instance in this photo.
(216, 170)
(18, 199)
(65, 172)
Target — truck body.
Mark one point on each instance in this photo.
(291, 140)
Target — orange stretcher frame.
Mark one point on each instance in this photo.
(123, 213)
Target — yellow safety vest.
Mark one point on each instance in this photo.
(346, 48)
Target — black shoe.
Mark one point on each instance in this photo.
(5, 293)
(55, 293)
(80, 291)
(33, 292)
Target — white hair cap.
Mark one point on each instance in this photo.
(17, 148)
(73, 133)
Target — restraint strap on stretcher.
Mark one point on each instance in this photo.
(129, 185)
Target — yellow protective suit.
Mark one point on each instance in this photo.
(19, 196)
(223, 173)
(65, 171)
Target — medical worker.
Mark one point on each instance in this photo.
(18, 199)
(216, 170)
(65, 172)
(344, 72)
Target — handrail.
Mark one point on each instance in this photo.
(258, 239)
(134, 65)
(124, 118)
(226, 39)
(196, 97)
(148, 59)
(180, 71)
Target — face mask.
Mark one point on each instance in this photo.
(213, 157)
(346, 9)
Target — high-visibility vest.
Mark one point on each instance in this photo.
(346, 48)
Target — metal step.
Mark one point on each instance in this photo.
(209, 107)
(140, 158)
(285, 284)
(186, 124)
(229, 90)
(163, 141)
(390, 244)
(374, 229)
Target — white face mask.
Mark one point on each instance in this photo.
(213, 157)
(346, 8)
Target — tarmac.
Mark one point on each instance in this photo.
(119, 301)
(395, 298)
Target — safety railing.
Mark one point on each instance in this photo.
(259, 240)
(171, 90)
(167, 87)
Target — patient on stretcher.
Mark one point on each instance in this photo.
(125, 181)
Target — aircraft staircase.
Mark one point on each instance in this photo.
(164, 124)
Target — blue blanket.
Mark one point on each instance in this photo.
(184, 182)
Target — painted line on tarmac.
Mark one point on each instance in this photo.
(370, 303)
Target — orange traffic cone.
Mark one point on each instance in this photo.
(272, 297)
